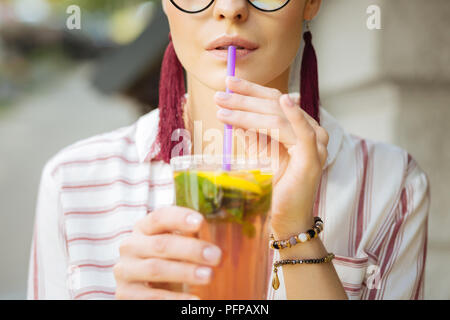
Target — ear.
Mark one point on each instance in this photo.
(311, 9)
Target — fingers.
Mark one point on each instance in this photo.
(252, 106)
(139, 291)
(295, 96)
(248, 88)
(249, 96)
(298, 113)
(171, 246)
(157, 257)
(255, 121)
(321, 133)
(168, 219)
(304, 132)
(261, 111)
(323, 154)
(160, 270)
(235, 101)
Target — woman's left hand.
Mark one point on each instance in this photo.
(302, 148)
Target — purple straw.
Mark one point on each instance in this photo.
(228, 129)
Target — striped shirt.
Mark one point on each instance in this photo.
(373, 198)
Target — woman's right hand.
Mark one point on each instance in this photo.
(153, 256)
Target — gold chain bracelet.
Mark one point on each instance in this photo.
(279, 263)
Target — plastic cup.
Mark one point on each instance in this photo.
(236, 206)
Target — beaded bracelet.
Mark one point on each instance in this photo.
(279, 263)
(301, 237)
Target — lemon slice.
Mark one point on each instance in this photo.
(232, 182)
(261, 177)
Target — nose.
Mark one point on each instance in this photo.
(234, 10)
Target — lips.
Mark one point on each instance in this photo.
(219, 47)
(226, 48)
(223, 42)
(223, 54)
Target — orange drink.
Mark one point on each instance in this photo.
(236, 206)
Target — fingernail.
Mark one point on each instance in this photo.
(194, 219)
(203, 272)
(194, 298)
(223, 95)
(295, 98)
(234, 79)
(211, 253)
(224, 112)
(288, 101)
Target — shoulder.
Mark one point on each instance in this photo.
(119, 144)
(392, 163)
(393, 186)
(380, 175)
(350, 153)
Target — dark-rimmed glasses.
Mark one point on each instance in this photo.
(195, 6)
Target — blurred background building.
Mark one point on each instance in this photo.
(58, 86)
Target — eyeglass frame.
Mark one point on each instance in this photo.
(192, 12)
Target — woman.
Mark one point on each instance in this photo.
(104, 222)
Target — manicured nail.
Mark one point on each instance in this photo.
(224, 112)
(203, 272)
(288, 101)
(295, 97)
(194, 219)
(233, 79)
(223, 95)
(211, 254)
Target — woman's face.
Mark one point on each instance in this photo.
(277, 34)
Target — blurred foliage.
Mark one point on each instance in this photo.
(23, 71)
(33, 55)
(120, 21)
(100, 5)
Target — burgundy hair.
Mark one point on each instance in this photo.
(172, 90)
(171, 93)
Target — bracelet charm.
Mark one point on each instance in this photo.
(279, 263)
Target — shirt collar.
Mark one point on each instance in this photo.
(148, 147)
(146, 134)
(335, 133)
